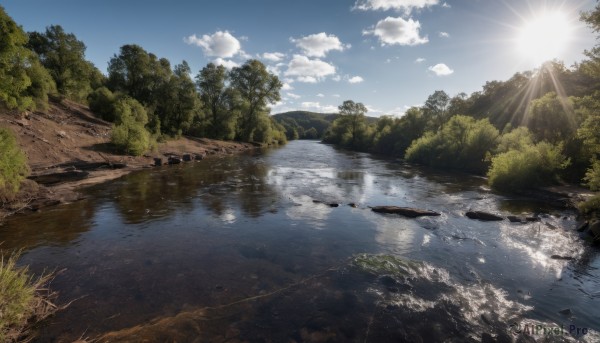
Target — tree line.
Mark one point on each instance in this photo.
(145, 98)
(532, 130)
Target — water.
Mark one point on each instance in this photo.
(246, 248)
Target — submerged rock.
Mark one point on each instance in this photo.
(559, 257)
(516, 219)
(484, 216)
(404, 211)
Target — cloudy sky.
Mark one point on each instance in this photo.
(387, 54)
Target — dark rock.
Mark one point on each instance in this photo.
(404, 211)
(487, 338)
(352, 205)
(158, 162)
(484, 216)
(559, 257)
(187, 157)
(515, 219)
(533, 219)
(174, 160)
(566, 312)
(583, 226)
(550, 226)
(333, 205)
(199, 157)
(523, 338)
(594, 230)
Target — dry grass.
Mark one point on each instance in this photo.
(24, 300)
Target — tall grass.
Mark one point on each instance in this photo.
(24, 300)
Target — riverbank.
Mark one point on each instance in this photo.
(68, 148)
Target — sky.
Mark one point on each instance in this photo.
(388, 54)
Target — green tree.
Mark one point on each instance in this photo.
(64, 57)
(102, 102)
(462, 143)
(14, 60)
(352, 124)
(436, 108)
(217, 99)
(551, 118)
(256, 88)
(13, 165)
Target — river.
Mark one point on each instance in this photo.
(247, 248)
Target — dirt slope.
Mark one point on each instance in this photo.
(69, 146)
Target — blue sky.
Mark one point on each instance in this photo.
(387, 54)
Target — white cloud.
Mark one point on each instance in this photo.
(444, 34)
(293, 96)
(307, 70)
(336, 78)
(441, 69)
(275, 69)
(273, 56)
(398, 31)
(399, 5)
(220, 44)
(321, 95)
(319, 44)
(317, 107)
(355, 79)
(336, 95)
(286, 87)
(226, 63)
(446, 5)
(420, 60)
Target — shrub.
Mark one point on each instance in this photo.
(528, 167)
(102, 102)
(592, 176)
(131, 138)
(462, 143)
(22, 301)
(13, 165)
(591, 206)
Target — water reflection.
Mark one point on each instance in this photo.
(58, 226)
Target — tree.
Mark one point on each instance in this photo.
(64, 57)
(436, 108)
(129, 134)
(216, 99)
(13, 165)
(551, 118)
(462, 143)
(14, 60)
(354, 114)
(257, 88)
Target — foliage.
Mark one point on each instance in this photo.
(129, 134)
(63, 55)
(462, 143)
(256, 88)
(551, 118)
(216, 100)
(301, 122)
(22, 300)
(591, 206)
(351, 128)
(14, 61)
(529, 166)
(515, 140)
(592, 177)
(102, 102)
(42, 84)
(13, 165)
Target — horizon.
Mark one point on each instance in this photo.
(388, 54)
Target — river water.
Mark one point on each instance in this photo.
(247, 248)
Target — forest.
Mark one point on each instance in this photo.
(538, 128)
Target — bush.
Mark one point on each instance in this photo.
(102, 102)
(462, 143)
(528, 167)
(24, 300)
(131, 138)
(592, 176)
(13, 165)
(591, 206)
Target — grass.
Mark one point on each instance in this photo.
(24, 300)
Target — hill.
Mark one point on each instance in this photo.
(300, 124)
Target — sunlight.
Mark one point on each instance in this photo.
(544, 37)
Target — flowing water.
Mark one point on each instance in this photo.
(247, 248)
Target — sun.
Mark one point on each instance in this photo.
(544, 37)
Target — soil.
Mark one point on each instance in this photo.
(68, 147)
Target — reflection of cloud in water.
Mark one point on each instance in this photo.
(540, 243)
(228, 216)
(305, 209)
(393, 230)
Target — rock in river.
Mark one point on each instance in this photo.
(480, 215)
(404, 211)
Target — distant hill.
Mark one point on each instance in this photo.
(308, 125)
(305, 124)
